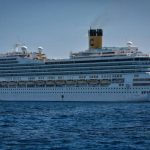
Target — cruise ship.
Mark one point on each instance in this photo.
(96, 74)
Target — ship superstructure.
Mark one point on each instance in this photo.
(97, 74)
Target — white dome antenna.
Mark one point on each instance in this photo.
(129, 44)
(24, 49)
(40, 49)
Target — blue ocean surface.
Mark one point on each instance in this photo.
(74, 126)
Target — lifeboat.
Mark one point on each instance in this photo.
(93, 81)
(82, 81)
(12, 84)
(40, 83)
(60, 82)
(50, 83)
(21, 84)
(104, 82)
(71, 82)
(30, 84)
(4, 84)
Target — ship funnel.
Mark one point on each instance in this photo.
(95, 38)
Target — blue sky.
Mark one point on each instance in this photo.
(60, 26)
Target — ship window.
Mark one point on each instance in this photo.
(82, 77)
(40, 77)
(136, 75)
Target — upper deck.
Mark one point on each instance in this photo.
(95, 52)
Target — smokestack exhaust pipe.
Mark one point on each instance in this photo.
(95, 38)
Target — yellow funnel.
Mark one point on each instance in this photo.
(95, 38)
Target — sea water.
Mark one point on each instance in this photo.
(74, 126)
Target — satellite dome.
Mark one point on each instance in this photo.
(129, 43)
(40, 49)
(24, 49)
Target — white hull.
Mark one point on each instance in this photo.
(72, 94)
